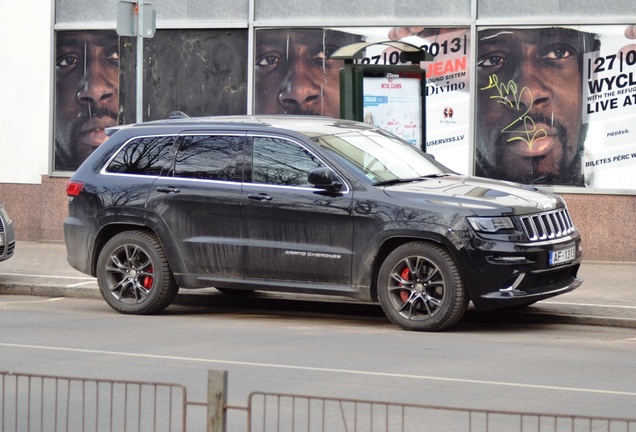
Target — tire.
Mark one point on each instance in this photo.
(133, 274)
(420, 288)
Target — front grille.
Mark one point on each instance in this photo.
(10, 248)
(1, 231)
(548, 225)
(558, 276)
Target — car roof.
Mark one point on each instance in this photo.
(305, 124)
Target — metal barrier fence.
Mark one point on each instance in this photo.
(47, 403)
(269, 412)
(30, 403)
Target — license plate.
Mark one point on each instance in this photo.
(562, 255)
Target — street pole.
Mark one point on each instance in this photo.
(140, 64)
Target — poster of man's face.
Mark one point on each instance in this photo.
(87, 93)
(293, 73)
(529, 125)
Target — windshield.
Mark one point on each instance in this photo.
(381, 157)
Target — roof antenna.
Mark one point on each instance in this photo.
(178, 115)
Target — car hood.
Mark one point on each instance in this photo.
(485, 197)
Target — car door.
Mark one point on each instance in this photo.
(199, 202)
(293, 231)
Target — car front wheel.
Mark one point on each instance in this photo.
(133, 274)
(420, 288)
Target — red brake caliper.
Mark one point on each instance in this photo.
(405, 275)
(148, 280)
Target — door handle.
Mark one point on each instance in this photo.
(260, 197)
(168, 189)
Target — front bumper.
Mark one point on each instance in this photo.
(534, 286)
(507, 274)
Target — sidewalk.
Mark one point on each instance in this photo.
(607, 296)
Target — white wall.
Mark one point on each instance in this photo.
(25, 90)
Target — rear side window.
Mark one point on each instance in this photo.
(144, 156)
(281, 162)
(209, 157)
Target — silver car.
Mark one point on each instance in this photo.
(7, 235)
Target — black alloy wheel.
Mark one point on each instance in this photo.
(133, 274)
(420, 288)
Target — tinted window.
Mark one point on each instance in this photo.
(281, 162)
(210, 157)
(145, 156)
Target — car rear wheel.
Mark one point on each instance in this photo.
(133, 274)
(420, 288)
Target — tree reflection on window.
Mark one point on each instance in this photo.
(281, 162)
(145, 156)
(209, 157)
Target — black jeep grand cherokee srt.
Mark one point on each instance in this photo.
(309, 205)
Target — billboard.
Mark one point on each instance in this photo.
(86, 93)
(394, 103)
(609, 109)
(555, 104)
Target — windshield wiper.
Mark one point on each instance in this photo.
(408, 180)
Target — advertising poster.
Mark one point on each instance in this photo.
(293, 73)
(86, 93)
(447, 93)
(609, 109)
(554, 106)
(395, 104)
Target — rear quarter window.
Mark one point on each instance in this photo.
(143, 156)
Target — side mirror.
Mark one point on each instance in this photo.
(324, 178)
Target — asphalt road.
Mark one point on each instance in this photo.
(288, 346)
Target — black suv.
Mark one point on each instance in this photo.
(309, 205)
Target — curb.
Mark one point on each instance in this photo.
(565, 318)
(49, 291)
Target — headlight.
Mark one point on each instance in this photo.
(4, 215)
(490, 224)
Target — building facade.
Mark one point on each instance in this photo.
(542, 93)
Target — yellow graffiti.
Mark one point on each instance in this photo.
(510, 95)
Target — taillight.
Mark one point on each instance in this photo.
(73, 188)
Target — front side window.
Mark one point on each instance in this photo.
(209, 157)
(143, 156)
(278, 161)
